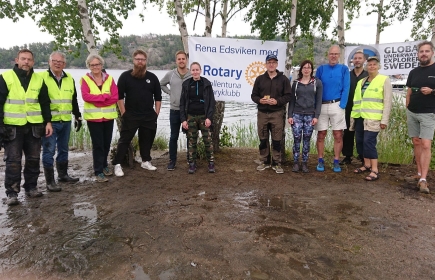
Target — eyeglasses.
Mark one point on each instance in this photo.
(140, 59)
(272, 62)
(57, 61)
(334, 53)
(306, 68)
(95, 65)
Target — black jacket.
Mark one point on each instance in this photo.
(279, 88)
(209, 101)
(43, 98)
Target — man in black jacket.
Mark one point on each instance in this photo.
(24, 109)
(271, 92)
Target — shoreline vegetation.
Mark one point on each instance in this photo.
(394, 145)
(161, 51)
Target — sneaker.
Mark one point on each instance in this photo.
(100, 178)
(192, 167)
(211, 167)
(171, 165)
(295, 167)
(423, 186)
(278, 169)
(346, 160)
(148, 165)
(33, 193)
(107, 171)
(320, 166)
(118, 170)
(12, 199)
(336, 167)
(305, 167)
(263, 166)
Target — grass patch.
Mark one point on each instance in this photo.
(80, 140)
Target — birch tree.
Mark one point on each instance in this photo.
(69, 23)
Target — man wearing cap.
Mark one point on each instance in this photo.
(356, 74)
(271, 92)
(336, 81)
(420, 103)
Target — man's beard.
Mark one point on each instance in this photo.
(425, 62)
(139, 71)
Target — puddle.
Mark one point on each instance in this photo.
(139, 274)
(86, 210)
(245, 199)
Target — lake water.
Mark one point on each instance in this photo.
(234, 111)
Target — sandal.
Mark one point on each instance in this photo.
(359, 170)
(371, 177)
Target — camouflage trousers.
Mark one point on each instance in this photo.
(197, 123)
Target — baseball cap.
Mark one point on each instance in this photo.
(271, 56)
(373, 58)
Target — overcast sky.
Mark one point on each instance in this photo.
(363, 30)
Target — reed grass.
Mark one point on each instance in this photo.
(394, 144)
(80, 140)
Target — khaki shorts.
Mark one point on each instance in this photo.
(331, 114)
(420, 125)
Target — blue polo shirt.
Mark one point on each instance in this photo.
(336, 82)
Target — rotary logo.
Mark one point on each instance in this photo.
(254, 70)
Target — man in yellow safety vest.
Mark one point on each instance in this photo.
(25, 118)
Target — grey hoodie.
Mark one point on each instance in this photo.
(173, 79)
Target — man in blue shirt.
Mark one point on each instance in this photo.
(336, 82)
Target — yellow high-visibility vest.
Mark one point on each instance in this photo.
(61, 98)
(371, 105)
(91, 112)
(22, 106)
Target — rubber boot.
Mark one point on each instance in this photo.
(62, 172)
(49, 180)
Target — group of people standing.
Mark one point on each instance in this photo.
(36, 108)
(356, 104)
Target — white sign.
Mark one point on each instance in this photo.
(232, 65)
(396, 58)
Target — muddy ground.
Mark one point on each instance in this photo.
(235, 224)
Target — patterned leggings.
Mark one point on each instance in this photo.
(197, 123)
(302, 125)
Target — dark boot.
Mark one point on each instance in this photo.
(62, 172)
(49, 180)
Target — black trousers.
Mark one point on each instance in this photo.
(147, 133)
(101, 136)
(25, 139)
(348, 136)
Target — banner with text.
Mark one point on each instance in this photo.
(396, 58)
(232, 65)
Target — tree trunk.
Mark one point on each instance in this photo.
(90, 44)
(288, 68)
(433, 33)
(224, 16)
(340, 28)
(88, 35)
(182, 25)
(378, 25)
(208, 26)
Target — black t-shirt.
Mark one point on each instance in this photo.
(139, 94)
(196, 98)
(418, 78)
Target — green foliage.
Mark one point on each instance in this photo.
(160, 143)
(63, 20)
(272, 18)
(423, 19)
(80, 140)
(226, 139)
